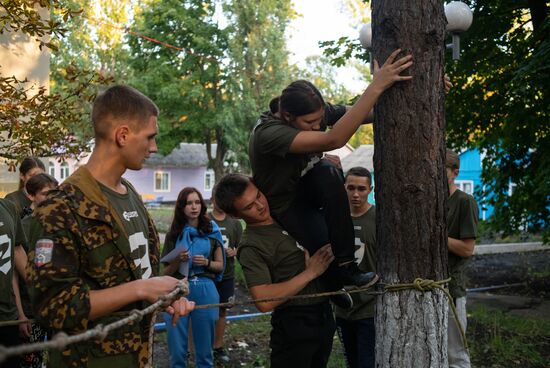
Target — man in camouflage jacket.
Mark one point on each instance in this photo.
(85, 269)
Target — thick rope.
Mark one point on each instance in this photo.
(424, 285)
(61, 339)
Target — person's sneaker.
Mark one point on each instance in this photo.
(343, 300)
(220, 356)
(353, 276)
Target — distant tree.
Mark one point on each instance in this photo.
(188, 83)
(258, 62)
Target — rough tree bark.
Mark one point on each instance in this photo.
(411, 189)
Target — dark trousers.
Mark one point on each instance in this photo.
(320, 215)
(358, 339)
(9, 336)
(302, 336)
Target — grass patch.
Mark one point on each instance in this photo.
(162, 217)
(504, 340)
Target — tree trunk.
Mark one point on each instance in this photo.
(411, 189)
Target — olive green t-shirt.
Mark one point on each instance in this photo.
(365, 256)
(462, 219)
(11, 236)
(276, 171)
(231, 230)
(20, 199)
(23, 287)
(134, 219)
(268, 255)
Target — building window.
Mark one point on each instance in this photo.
(162, 181)
(51, 169)
(467, 186)
(64, 171)
(208, 180)
(511, 188)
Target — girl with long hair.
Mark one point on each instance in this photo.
(199, 257)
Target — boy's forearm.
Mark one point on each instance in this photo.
(461, 247)
(282, 289)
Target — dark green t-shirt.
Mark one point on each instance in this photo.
(231, 230)
(276, 171)
(23, 287)
(20, 199)
(365, 256)
(462, 219)
(268, 255)
(134, 219)
(11, 236)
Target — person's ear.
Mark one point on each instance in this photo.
(121, 135)
(287, 116)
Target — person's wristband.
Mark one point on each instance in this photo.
(208, 264)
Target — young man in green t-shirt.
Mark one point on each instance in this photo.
(275, 265)
(356, 325)
(462, 219)
(94, 251)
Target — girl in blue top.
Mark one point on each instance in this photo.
(201, 260)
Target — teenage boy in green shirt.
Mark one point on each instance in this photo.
(356, 325)
(275, 265)
(462, 219)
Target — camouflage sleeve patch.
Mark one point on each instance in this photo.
(59, 295)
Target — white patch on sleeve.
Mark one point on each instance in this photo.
(43, 252)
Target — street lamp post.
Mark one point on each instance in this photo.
(459, 19)
(365, 37)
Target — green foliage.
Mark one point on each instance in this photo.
(322, 74)
(31, 18)
(39, 123)
(258, 62)
(505, 340)
(500, 105)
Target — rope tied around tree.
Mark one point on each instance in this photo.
(424, 285)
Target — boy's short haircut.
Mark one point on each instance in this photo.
(452, 160)
(124, 103)
(360, 171)
(229, 188)
(39, 182)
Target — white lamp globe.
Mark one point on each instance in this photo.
(365, 36)
(459, 16)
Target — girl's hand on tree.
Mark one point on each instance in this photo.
(388, 74)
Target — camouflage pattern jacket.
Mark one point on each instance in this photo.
(78, 244)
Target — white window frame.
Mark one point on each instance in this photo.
(511, 188)
(461, 184)
(209, 174)
(51, 168)
(64, 171)
(168, 179)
